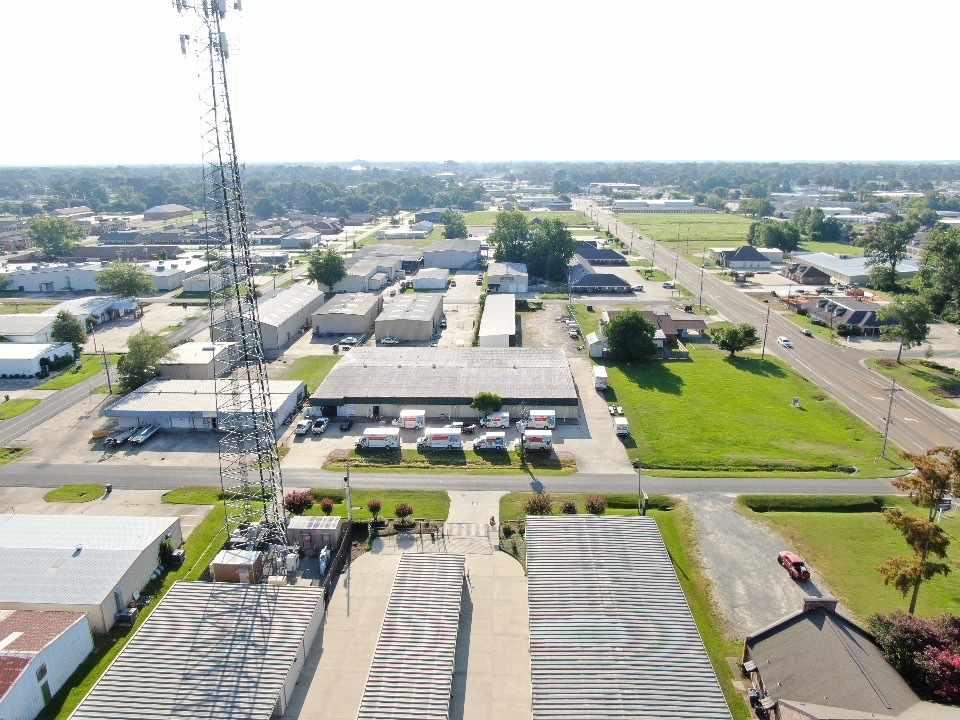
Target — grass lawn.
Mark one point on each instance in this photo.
(76, 493)
(679, 536)
(651, 274)
(311, 369)
(90, 365)
(8, 455)
(429, 504)
(933, 385)
(830, 247)
(194, 495)
(589, 319)
(12, 408)
(719, 414)
(571, 217)
(846, 547)
(703, 230)
(488, 462)
(12, 307)
(821, 331)
(204, 542)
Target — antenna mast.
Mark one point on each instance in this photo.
(249, 463)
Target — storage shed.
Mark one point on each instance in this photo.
(312, 533)
(348, 314)
(411, 317)
(237, 566)
(498, 326)
(431, 279)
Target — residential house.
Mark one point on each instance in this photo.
(745, 257)
(583, 279)
(861, 317)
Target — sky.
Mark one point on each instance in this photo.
(103, 81)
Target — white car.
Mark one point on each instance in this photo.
(349, 341)
(637, 288)
(784, 341)
(389, 341)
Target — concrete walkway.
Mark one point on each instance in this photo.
(492, 673)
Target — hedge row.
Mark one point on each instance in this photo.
(814, 503)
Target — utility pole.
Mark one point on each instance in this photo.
(766, 326)
(700, 301)
(346, 484)
(106, 367)
(886, 427)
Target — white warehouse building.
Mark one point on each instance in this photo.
(411, 317)
(498, 326)
(282, 316)
(453, 254)
(348, 314)
(196, 361)
(507, 277)
(27, 327)
(28, 358)
(431, 279)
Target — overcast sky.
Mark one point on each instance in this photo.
(103, 81)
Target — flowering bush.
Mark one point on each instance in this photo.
(539, 504)
(326, 505)
(569, 508)
(297, 502)
(596, 505)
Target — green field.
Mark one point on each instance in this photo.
(12, 408)
(76, 493)
(820, 331)
(311, 369)
(487, 462)
(715, 414)
(845, 548)
(91, 365)
(10, 307)
(429, 504)
(828, 247)
(572, 217)
(932, 384)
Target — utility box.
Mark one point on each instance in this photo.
(313, 533)
(237, 566)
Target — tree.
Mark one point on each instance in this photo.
(66, 328)
(939, 276)
(125, 279)
(374, 506)
(756, 207)
(510, 236)
(297, 502)
(453, 224)
(736, 338)
(139, 365)
(923, 650)
(5, 282)
(937, 474)
(887, 244)
(326, 504)
(486, 403)
(326, 267)
(630, 336)
(773, 234)
(550, 249)
(54, 236)
(596, 505)
(568, 507)
(403, 511)
(539, 504)
(908, 318)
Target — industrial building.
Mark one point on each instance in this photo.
(453, 254)
(39, 651)
(849, 270)
(370, 274)
(444, 381)
(204, 282)
(166, 212)
(611, 634)
(29, 359)
(192, 404)
(79, 563)
(282, 315)
(429, 589)
(411, 317)
(348, 314)
(431, 279)
(507, 278)
(498, 326)
(211, 651)
(96, 309)
(81, 276)
(650, 205)
(411, 258)
(402, 234)
(27, 327)
(195, 361)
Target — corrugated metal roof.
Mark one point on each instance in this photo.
(30, 631)
(25, 323)
(40, 562)
(187, 398)
(412, 670)
(315, 522)
(469, 245)
(349, 304)
(31, 351)
(411, 307)
(506, 268)
(282, 306)
(611, 634)
(499, 315)
(209, 650)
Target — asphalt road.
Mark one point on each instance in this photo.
(915, 425)
(50, 407)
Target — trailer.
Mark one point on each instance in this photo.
(496, 420)
(378, 437)
(437, 438)
(411, 419)
(537, 439)
(541, 420)
(491, 440)
(599, 377)
(621, 426)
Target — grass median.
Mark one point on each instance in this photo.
(489, 462)
(935, 383)
(430, 504)
(76, 493)
(91, 365)
(12, 408)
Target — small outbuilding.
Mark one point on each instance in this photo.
(313, 533)
(507, 278)
(431, 279)
(453, 254)
(29, 328)
(411, 317)
(196, 361)
(498, 326)
(348, 314)
(237, 566)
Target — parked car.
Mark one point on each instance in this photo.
(302, 427)
(346, 424)
(807, 332)
(144, 434)
(319, 425)
(794, 565)
(637, 288)
(784, 342)
(350, 340)
(389, 341)
(393, 292)
(480, 280)
(670, 285)
(453, 283)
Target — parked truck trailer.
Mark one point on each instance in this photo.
(537, 439)
(411, 419)
(496, 420)
(541, 420)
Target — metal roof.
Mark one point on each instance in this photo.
(194, 353)
(419, 306)
(469, 245)
(286, 303)
(186, 398)
(849, 265)
(30, 631)
(315, 522)
(412, 670)
(25, 323)
(415, 375)
(611, 634)
(30, 351)
(506, 268)
(40, 561)
(432, 273)
(499, 315)
(208, 650)
(349, 304)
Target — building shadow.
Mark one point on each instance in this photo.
(458, 692)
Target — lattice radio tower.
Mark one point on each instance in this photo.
(249, 464)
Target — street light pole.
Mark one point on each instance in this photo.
(766, 326)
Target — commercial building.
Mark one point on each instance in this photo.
(81, 276)
(431, 279)
(860, 317)
(300, 238)
(402, 234)
(444, 381)
(192, 404)
(95, 310)
(498, 326)
(211, 651)
(27, 327)
(166, 212)
(411, 258)
(79, 563)
(30, 359)
(348, 314)
(81, 212)
(849, 270)
(582, 278)
(39, 651)
(282, 315)
(670, 206)
(745, 257)
(196, 361)
(611, 634)
(454, 254)
(774, 255)
(370, 273)
(507, 277)
(411, 317)
(204, 282)
(587, 251)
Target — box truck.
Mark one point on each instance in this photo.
(491, 440)
(496, 420)
(411, 419)
(445, 438)
(537, 439)
(379, 438)
(599, 377)
(621, 426)
(541, 420)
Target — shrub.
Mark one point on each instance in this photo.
(539, 504)
(513, 547)
(298, 502)
(569, 508)
(843, 330)
(923, 650)
(596, 505)
(813, 503)
(374, 506)
(403, 511)
(522, 528)
(326, 504)
(803, 312)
